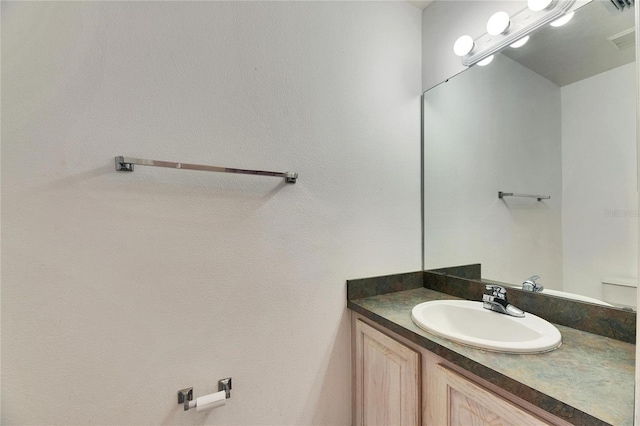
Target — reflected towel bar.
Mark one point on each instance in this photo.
(511, 194)
(125, 164)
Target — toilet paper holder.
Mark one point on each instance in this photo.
(186, 395)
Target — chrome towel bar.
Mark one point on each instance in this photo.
(511, 194)
(125, 164)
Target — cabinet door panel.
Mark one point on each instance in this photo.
(387, 380)
(467, 404)
(468, 412)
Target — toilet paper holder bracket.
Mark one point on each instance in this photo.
(225, 385)
(185, 396)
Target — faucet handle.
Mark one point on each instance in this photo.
(496, 291)
(530, 284)
(495, 299)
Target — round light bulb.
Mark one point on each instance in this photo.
(560, 22)
(538, 5)
(486, 61)
(520, 42)
(498, 23)
(463, 45)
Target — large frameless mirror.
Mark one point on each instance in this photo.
(551, 125)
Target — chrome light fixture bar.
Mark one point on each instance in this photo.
(521, 24)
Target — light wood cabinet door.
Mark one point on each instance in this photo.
(387, 380)
(453, 400)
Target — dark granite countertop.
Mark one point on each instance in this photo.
(589, 380)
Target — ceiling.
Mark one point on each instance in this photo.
(420, 4)
(579, 49)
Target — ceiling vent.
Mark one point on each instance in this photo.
(624, 39)
(617, 6)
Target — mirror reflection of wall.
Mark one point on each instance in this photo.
(556, 117)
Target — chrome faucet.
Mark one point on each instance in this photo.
(495, 299)
(531, 285)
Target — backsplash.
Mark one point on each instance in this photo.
(471, 272)
(367, 287)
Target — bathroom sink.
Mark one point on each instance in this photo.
(467, 322)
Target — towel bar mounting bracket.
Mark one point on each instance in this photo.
(121, 166)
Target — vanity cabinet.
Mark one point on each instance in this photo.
(399, 383)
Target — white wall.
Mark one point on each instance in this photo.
(119, 289)
(490, 129)
(600, 199)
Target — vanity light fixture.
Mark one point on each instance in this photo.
(520, 42)
(485, 61)
(504, 30)
(538, 5)
(560, 22)
(463, 46)
(498, 23)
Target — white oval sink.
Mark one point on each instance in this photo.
(467, 322)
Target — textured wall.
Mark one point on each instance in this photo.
(119, 289)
